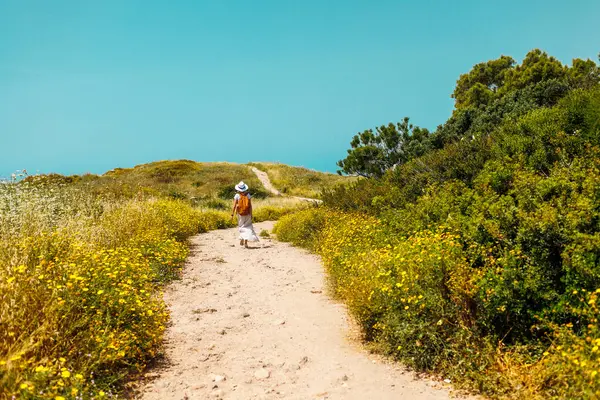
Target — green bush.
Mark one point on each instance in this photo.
(479, 261)
(217, 204)
(301, 228)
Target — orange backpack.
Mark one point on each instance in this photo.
(243, 204)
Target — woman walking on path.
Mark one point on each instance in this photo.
(243, 206)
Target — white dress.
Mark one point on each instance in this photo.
(245, 225)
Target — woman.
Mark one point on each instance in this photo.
(242, 205)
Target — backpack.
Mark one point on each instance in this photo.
(243, 204)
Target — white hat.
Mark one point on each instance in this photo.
(241, 187)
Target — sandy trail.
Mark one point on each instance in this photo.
(263, 177)
(257, 324)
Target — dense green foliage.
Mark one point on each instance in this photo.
(491, 93)
(374, 153)
(480, 259)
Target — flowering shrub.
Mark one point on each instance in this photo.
(80, 276)
(569, 368)
(422, 298)
(301, 228)
(479, 260)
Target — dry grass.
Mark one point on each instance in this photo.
(179, 179)
(80, 277)
(300, 181)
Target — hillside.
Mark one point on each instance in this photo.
(300, 181)
(188, 180)
(201, 183)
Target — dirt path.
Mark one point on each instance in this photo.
(263, 177)
(257, 324)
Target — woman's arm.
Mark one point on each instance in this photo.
(235, 202)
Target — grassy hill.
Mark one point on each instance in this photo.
(187, 179)
(201, 183)
(300, 181)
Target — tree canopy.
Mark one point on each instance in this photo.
(374, 152)
(486, 95)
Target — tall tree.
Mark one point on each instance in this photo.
(485, 96)
(584, 73)
(479, 85)
(374, 152)
(537, 67)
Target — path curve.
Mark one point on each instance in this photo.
(263, 177)
(257, 324)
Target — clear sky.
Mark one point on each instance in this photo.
(86, 86)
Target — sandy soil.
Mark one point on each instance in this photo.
(264, 179)
(258, 324)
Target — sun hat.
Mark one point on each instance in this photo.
(241, 187)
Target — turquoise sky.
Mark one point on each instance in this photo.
(86, 86)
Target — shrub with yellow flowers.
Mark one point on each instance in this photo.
(80, 279)
(570, 367)
(420, 298)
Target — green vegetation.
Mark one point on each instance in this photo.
(299, 181)
(486, 97)
(373, 153)
(273, 208)
(478, 258)
(80, 279)
(264, 234)
(209, 185)
(192, 181)
(82, 263)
